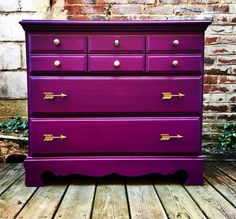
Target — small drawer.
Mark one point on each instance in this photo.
(57, 42)
(116, 63)
(174, 43)
(111, 95)
(74, 136)
(174, 63)
(116, 43)
(62, 63)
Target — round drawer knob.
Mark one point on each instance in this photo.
(57, 63)
(116, 43)
(176, 42)
(56, 42)
(175, 63)
(116, 63)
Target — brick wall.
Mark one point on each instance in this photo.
(220, 49)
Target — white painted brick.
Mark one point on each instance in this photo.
(221, 49)
(23, 56)
(10, 29)
(13, 85)
(220, 30)
(32, 5)
(9, 5)
(10, 56)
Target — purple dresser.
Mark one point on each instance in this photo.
(121, 97)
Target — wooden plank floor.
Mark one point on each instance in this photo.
(150, 197)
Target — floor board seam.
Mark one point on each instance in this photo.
(23, 206)
(223, 171)
(60, 201)
(127, 197)
(190, 195)
(11, 184)
(221, 194)
(167, 215)
(94, 195)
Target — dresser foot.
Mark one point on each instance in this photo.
(195, 179)
(33, 177)
(195, 176)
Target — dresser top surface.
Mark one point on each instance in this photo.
(144, 25)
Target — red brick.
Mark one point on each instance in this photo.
(204, 1)
(214, 88)
(84, 9)
(221, 8)
(210, 79)
(74, 10)
(141, 1)
(216, 108)
(218, 71)
(226, 79)
(126, 9)
(173, 1)
(76, 2)
(227, 117)
(227, 60)
(78, 17)
(211, 40)
(159, 10)
(221, 19)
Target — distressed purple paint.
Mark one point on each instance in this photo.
(112, 115)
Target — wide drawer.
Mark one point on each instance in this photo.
(115, 94)
(115, 135)
(116, 43)
(62, 63)
(57, 42)
(174, 63)
(175, 42)
(116, 63)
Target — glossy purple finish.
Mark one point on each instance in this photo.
(122, 165)
(115, 135)
(68, 63)
(105, 44)
(164, 63)
(104, 63)
(44, 42)
(115, 94)
(116, 111)
(157, 43)
(155, 26)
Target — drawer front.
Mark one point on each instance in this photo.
(116, 63)
(174, 43)
(63, 63)
(115, 94)
(57, 42)
(174, 63)
(115, 135)
(116, 43)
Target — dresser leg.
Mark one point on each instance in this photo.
(33, 176)
(195, 177)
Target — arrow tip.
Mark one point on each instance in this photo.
(63, 95)
(63, 136)
(179, 136)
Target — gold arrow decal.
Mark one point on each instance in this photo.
(167, 137)
(169, 95)
(50, 137)
(51, 95)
